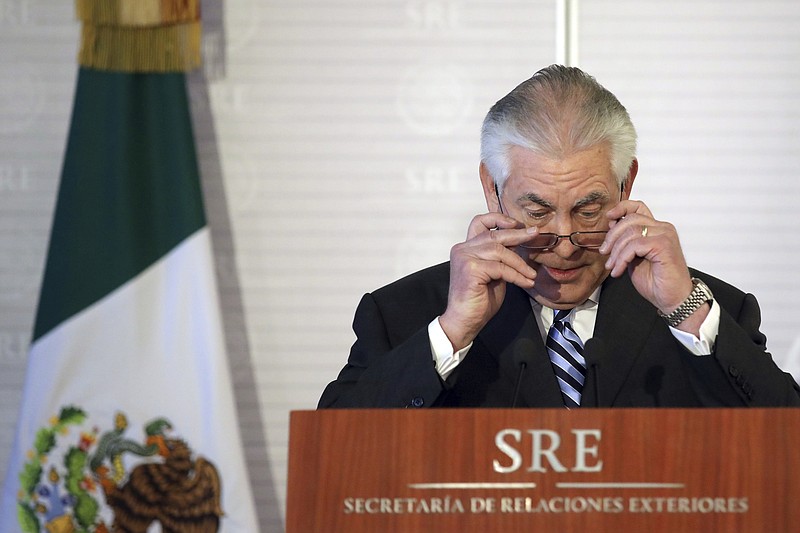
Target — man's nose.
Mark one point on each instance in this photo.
(564, 248)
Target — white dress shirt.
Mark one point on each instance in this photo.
(583, 320)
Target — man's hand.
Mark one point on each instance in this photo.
(480, 267)
(650, 251)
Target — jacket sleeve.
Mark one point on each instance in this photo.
(742, 356)
(383, 371)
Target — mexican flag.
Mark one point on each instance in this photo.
(127, 419)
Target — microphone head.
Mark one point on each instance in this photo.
(594, 351)
(521, 355)
(523, 348)
(653, 379)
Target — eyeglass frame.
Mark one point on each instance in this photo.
(555, 235)
(570, 236)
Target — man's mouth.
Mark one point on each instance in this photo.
(562, 275)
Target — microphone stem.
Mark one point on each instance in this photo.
(522, 366)
(596, 379)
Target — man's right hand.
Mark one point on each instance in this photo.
(480, 267)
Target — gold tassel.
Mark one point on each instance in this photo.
(140, 35)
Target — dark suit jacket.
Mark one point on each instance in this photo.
(633, 358)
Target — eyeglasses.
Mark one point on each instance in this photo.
(581, 239)
(546, 241)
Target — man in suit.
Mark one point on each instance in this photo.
(566, 292)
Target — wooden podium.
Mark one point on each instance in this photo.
(509, 470)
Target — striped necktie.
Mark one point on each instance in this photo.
(566, 353)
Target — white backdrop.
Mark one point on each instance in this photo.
(339, 148)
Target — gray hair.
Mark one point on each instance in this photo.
(557, 112)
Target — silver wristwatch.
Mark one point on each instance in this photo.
(700, 294)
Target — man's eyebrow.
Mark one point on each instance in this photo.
(536, 199)
(591, 198)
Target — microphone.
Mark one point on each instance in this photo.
(522, 351)
(594, 351)
(652, 383)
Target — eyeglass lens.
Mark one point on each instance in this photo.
(584, 239)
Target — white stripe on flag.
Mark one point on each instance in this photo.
(152, 348)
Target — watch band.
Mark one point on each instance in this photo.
(700, 294)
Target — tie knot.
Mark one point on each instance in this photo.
(561, 315)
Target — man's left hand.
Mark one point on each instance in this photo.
(650, 251)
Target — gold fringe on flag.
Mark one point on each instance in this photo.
(140, 35)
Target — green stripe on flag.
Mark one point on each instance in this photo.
(130, 188)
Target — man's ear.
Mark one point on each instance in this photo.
(489, 189)
(628, 185)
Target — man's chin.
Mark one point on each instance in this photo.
(549, 292)
(548, 300)
(554, 295)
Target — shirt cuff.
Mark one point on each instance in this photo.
(708, 334)
(443, 357)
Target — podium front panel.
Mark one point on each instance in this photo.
(550, 470)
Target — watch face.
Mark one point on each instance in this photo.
(700, 294)
(705, 290)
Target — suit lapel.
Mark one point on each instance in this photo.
(624, 323)
(512, 336)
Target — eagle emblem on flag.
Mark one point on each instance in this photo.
(81, 479)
